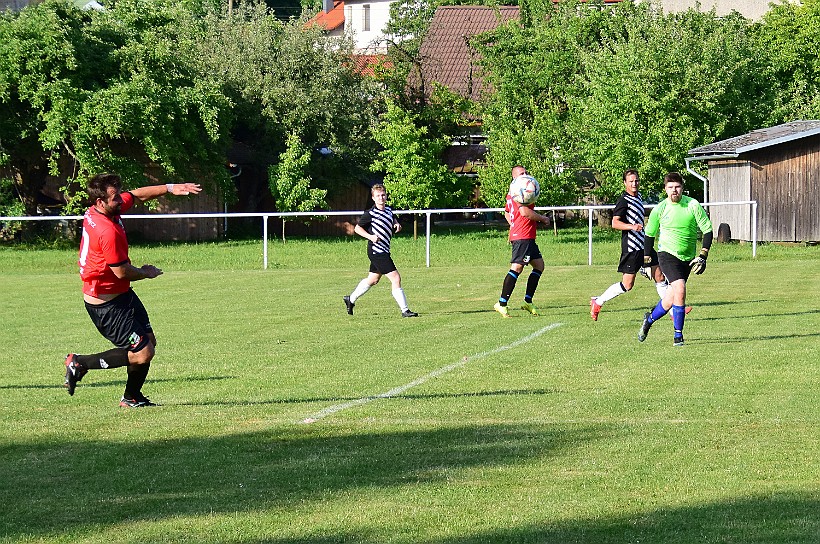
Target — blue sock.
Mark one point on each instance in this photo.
(658, 312)
(678, 315)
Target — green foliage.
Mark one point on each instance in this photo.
(284, 78)
(659, 86)
(790, 37)
(111, 90)
(580, 86)
(289, 184)
(10, 206)
(533, 72)
(169, 85)
(414, 175)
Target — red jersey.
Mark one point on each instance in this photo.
(104, 245)
(521, 228)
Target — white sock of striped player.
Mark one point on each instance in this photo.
(611, 292)
(401, 299)
(660, 287)
(360, 289)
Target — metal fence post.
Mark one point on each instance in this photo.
(428, 239)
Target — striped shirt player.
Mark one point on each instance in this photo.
(628, 217)
(676, 222)
(107, 273)
(377, 225)
(523, 220)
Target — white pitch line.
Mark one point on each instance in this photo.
(427, 377)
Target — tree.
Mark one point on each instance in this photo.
(533, 71)
(790, 39)
(87, 91)
(415, 178)
(659, 85)
(283, 78)
(289, 184)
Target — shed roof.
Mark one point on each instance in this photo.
(758, 139)
(446, 56)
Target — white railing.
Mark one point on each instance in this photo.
(428, 213)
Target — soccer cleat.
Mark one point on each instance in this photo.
(501, 309)
(141, 401)
(74, 372)
(349, 304)
(530, 307)
(408, 313)
(678, 341)
(644, 327)
(594, 308)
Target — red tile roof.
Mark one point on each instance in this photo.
(366, 64)
(330, 20)
(446, 57)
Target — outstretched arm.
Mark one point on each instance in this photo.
(130, 272)
(153, 191)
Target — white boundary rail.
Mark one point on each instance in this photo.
(427, 213)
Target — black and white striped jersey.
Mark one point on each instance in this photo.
(630, 209)
(380, 223)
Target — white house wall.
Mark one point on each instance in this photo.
(367, 40)
(752, 9)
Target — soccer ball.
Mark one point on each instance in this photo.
(525, 189)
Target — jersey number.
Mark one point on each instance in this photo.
(83, 250)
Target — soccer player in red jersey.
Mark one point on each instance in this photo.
(523, 220)
(107, 273)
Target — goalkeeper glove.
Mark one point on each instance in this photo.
(646, 272)
(698, 264)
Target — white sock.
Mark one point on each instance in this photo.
(360, 289)
(401, 299)
(612, 291)
(660, 287)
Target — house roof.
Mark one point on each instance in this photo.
(331, 20)
(446, 56)
(366, 64)
(758, 139)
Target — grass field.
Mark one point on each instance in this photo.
(457, 427)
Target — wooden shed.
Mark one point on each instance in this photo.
(779, 167)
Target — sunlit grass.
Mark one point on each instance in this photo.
(579, 435)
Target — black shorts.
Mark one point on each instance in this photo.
(673, 268)
(381, 263)
(524, 252)
(632, 261)
(123, 321)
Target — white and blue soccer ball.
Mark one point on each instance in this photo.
(525, 189)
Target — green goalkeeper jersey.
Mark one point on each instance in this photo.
(678, 224)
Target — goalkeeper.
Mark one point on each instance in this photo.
(675, 222)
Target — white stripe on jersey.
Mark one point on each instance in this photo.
(381, 224)
(634, 215)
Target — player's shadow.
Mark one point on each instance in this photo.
(756, 338)
(749, 316)
(108, 383)
(425, 396)
(643, 309)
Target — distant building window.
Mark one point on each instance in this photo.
(366, 17)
